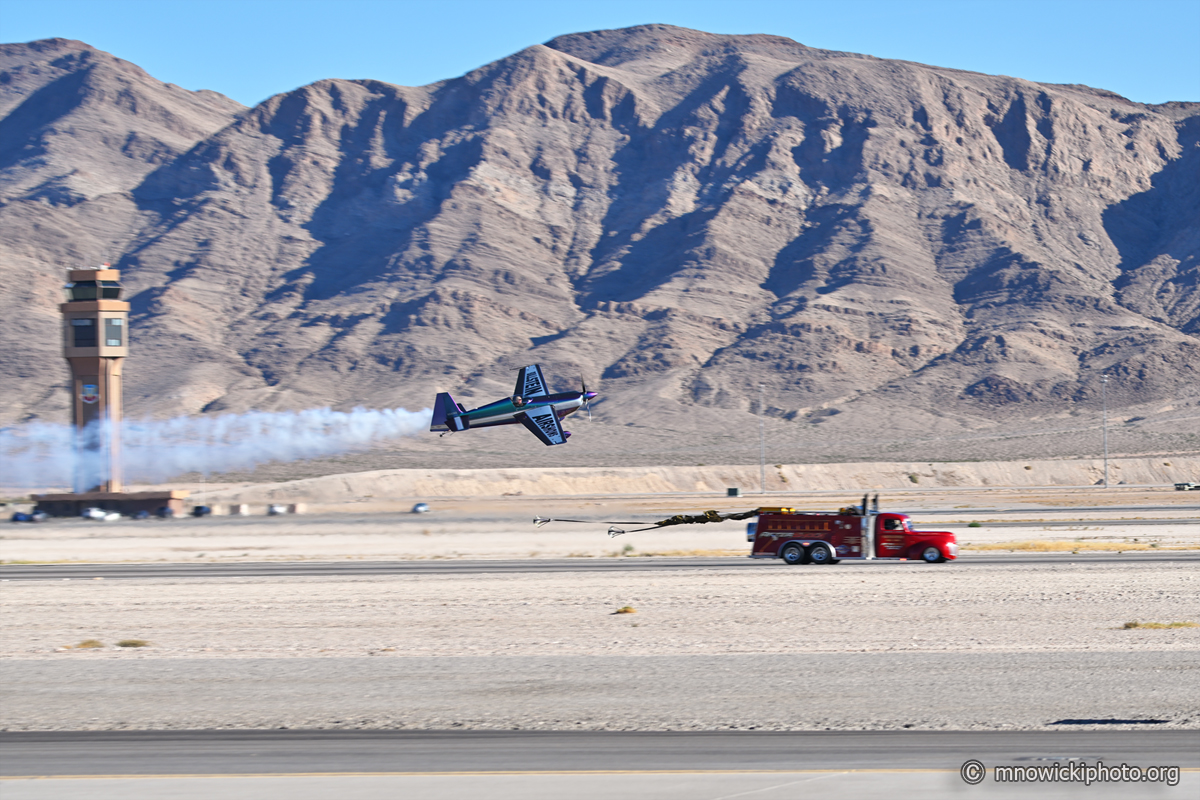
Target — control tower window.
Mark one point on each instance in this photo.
(85, 332)
(114, 332)
(84, 290)
(110, 290)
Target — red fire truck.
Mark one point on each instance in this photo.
(851, 533)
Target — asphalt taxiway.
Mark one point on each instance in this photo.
(277, 569)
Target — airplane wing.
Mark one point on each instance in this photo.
(543, 423)
(530, 382)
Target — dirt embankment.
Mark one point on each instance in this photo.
(866, 476)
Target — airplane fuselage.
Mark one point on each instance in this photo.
(504, 412)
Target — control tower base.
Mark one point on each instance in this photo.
(127, 503)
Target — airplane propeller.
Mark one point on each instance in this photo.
(587, 398)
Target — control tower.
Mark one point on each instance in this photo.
(95, 343)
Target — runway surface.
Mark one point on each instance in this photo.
(354, 765)
(290, 752)
(548, 565)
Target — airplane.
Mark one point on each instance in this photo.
(531, 405)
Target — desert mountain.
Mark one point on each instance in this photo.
(79, 131)
(677, 216)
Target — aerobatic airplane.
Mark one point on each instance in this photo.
(531, 405)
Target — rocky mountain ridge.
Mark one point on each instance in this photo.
(677, 216)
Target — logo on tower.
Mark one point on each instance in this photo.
(90, 393)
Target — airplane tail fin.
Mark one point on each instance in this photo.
(447, 415)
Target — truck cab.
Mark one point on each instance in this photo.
(826, 538)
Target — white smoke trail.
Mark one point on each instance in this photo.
(43, 455)
(36, 456)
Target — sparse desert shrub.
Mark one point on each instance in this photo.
(133, 643)
(912, 476)
(626, 610)
(974, 524)
(1158, 626)
(89, 644)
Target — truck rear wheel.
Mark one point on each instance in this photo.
(931, 555)
(792, 554)
(820, 554)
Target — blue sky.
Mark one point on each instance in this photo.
(251, 49)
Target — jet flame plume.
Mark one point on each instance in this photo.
(43, 455)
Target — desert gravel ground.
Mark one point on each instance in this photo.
(849, 646)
